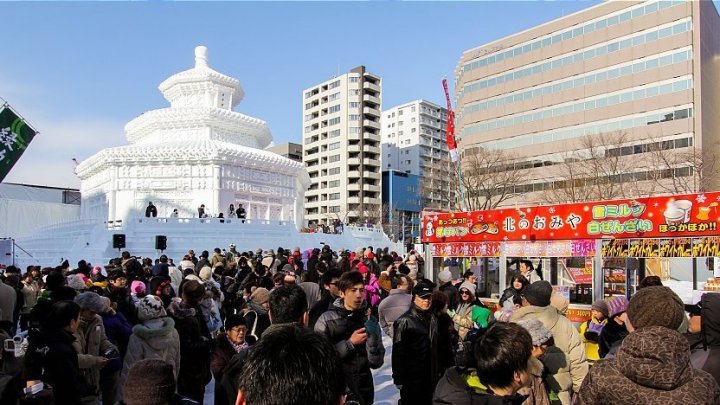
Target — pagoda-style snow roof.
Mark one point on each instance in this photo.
(203, 151)
(199, 79)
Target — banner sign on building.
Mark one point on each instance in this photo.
(707, 246)
(469, 249)
(690, 215)
(15, 136)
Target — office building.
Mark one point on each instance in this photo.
(413, 141)
(646, 74)
(289, 150)
(341, 142)
(402, 202)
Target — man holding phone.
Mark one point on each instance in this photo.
(355, 335)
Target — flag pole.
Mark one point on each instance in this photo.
(452, 144)
(6, 104)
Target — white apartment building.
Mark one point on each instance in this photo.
(341, 142)
(413, 141)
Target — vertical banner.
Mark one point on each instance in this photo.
(15, 136)
(450, 132)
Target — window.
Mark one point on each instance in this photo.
(334, 209)
(334, 183)
(334, 133)
(334, 145)
(334, 158)
(334, 84)
(355, 104)
(334, 196)
(334, 121)
(354, 130)
(354, 117)
(334, 170)
(354, 79)
(334, 96)
(334, 109)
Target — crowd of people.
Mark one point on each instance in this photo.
(306, 327)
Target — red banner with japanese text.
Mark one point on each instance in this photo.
(690, 215)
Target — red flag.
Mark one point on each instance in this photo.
(450, 132)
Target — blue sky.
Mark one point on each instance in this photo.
(80, 71)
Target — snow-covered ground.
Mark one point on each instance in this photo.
(385, 391)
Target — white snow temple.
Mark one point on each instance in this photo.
(197, 151)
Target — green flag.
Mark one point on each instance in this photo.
(15, 136)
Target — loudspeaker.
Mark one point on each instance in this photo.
(119, 241)
(160, 242)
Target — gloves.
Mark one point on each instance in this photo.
(451, 313)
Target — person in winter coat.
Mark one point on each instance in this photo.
(614, 331)
(542, 340)
(372, 289)
(447, 335)
(92, 345)
(355, 335)
(154, 338)
(502, 363)
(53, 353)
(256, 314)
(653, 364)
(705, 322)
(591, 329)
(566, 363)
(228, 344)
(447, 287)
(469, 313)
(195, 341)
(328, 283)
(118, 331)
(415, 349)
(517, 284)
(396, 304)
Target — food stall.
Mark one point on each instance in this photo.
(587, 251)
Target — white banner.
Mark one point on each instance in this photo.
(7, 247)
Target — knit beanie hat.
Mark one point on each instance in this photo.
(75, 282)
(656, 306)
(601, 306)
(538, 332)
(445, 276)
(149, 382)
(538, 293)
(617, 305)
(260, 295)
(468, 286)
(91, 302)
(150, 307)
(137, 286)
(205, 273)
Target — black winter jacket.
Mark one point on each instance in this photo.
(705, 355)
(454, 389)
(415, 349)
(338, 324)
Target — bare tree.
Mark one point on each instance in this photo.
(489, 177)
(692, 170)
(600, 169)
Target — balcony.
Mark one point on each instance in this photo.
(354, 148)
(354, 137)
(353, 174)
(372, 111)
(372, 149)
(371, 162)
(372, 99)
(371, 124)
(371, 187)
(353, 161)
(370, 174)
(353, 200)
(353, 187)
(371, 86)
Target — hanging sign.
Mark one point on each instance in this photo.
(689, 215)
